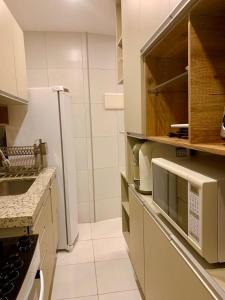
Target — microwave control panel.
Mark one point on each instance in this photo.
(194, 215)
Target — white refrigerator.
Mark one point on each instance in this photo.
(49, 117)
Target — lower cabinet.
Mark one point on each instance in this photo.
(136, 245)
(46, 227)
(167, 274)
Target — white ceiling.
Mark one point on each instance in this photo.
(96, 16)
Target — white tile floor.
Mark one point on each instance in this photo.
(98, 268)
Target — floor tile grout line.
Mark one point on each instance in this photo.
(123, 291)
(94, 261)
(96, 279)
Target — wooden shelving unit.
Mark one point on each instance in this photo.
(178, 83)
(213, 148)
(125, 208)
(184, 74)
(119, 42)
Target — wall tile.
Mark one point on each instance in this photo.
(107, 183)
(87, 119)
(37, 78)
(81, 153)
(84, 50)
(89, 154)
(35, 48)
(104, 122)
(64, 50)
(120, 121)
(101, 50)
(83, 212)
(101, 81)
(91, 195)
(71, 79)
(83, 186)
(108, 209)
(79, 120)
(105, 152)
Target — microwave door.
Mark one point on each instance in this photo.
(160, 187)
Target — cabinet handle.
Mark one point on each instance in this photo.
(42, 286)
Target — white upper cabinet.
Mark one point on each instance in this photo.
(20, 62)
(174, 3)
(132, 65)
(152, 15)
(7, 62)
(13, 79)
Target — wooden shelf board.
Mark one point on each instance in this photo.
(177, 84)
(120, 42)
(214, 148)
(126, 207)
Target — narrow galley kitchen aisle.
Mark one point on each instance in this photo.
(98, 268)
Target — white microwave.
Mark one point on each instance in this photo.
(191, 196)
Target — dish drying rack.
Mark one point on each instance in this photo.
(24, 160)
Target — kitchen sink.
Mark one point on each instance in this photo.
(15, 186)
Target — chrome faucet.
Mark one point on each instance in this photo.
(4, 161)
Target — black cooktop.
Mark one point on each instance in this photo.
(15, 256)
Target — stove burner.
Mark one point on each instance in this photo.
(16, 254)
(6, 288)
(15, 261)
(24, 243)
(8, 273)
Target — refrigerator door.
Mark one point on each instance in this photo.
(69, 167)
(43, 120)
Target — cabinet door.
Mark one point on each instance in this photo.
(167, 274)
(174, 3)
(136, 237)
(7, 61)
(132, 66)
(20, 62)
(152, 15)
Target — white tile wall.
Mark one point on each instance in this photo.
(37, 77)
(73, 79)
(104, 122)
(102, 54)
(35, 47)
(64, 50)
(105, 152)
(79, 120)
(101, 81)
(107, 183)
(60, 58)
(108, 208)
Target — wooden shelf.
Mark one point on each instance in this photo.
(214, 148)
(126, 207)
(176, 84)
(120, 42)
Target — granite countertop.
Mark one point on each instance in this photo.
(22, 210)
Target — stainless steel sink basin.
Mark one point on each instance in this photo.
(15, 186)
